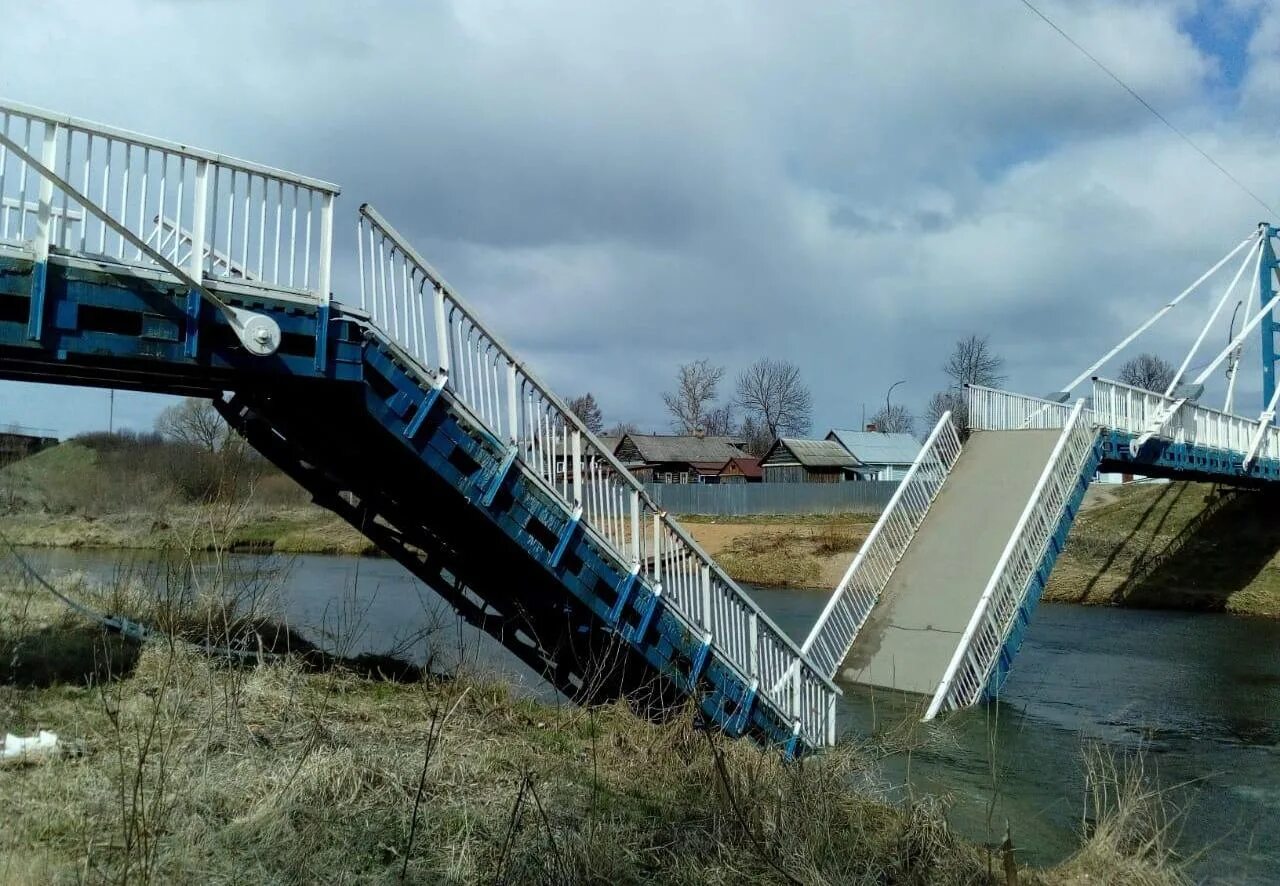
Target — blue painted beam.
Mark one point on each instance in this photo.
(1266, 291)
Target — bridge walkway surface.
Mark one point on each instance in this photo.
(912, 633)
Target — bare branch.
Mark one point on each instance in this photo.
(771, 392)
(972, 362)
(588, 411)
(896, 419)
(696, 385)
(1147, 371)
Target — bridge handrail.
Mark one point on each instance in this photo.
(859, 589)
(992, 409)
(413, 304)
(277, 225)
(1131, 409)
(984, 636)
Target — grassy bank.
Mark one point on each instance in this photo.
(1177, 545)
(181, 768)
(76, 496)
(1174, 545)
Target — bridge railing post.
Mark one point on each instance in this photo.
(753, 645)
(513, 404)
(635, 525)
(706, 597)
(577, 468)
(442, 330)
(326, 249)
(44, 202)
(199, 220)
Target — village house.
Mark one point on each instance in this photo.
(883, 456)
(742, 469)
(791, 460)
(669, 458)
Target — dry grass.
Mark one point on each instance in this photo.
(807, 554)
(1131, 825)
(189, 769)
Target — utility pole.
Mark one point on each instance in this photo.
(111, 411)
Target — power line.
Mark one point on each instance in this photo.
(1146, 104)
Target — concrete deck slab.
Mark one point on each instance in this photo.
(913, 630)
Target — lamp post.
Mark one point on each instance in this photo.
(887, 407)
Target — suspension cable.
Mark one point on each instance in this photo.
(1204, 331)
(1088, 373)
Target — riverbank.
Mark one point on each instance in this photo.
(176, 767)
(1163, 545)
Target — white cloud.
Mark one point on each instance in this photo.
(622, 187)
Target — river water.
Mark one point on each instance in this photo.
(1198, 696)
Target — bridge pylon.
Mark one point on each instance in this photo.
(1268, 269)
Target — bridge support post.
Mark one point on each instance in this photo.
(44, 217)
(1267, 266)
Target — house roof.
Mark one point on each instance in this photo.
(810, 453)
(658, 448)
(874, 448)
(609, 442)
(747, 466)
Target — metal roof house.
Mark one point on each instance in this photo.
(669, 458)
(792, 460)
(886, 456)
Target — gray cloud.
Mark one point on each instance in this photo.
(620, 188)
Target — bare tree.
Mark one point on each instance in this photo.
(950, 400)
(718, 422)
(194, 421)
(756, 437)
(895, 419)
(1147, 371)
(696, 385)
(972, 362)
(622, 428)
(771, 392)
(588, 412)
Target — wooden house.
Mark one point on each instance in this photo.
(791, 460)
(669, 458)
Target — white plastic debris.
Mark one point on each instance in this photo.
(20, 749)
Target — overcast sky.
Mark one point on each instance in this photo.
(619, 188)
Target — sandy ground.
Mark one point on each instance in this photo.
(800, 554)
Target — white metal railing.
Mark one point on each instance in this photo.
(171, 240)
(966, 676)
(991, 409)
(1134, 410)
(414, 306)
(860, 588)
(274, 225)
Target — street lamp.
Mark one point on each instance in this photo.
(887, 407)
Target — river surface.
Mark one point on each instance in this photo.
(1198, 696)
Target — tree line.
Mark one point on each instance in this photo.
(770, 400)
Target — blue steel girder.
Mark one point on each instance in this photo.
(1183, 461)
(113, 326)
(110, 326)
(467, 458)
(1040, 578)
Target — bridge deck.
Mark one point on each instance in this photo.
(912, 633)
